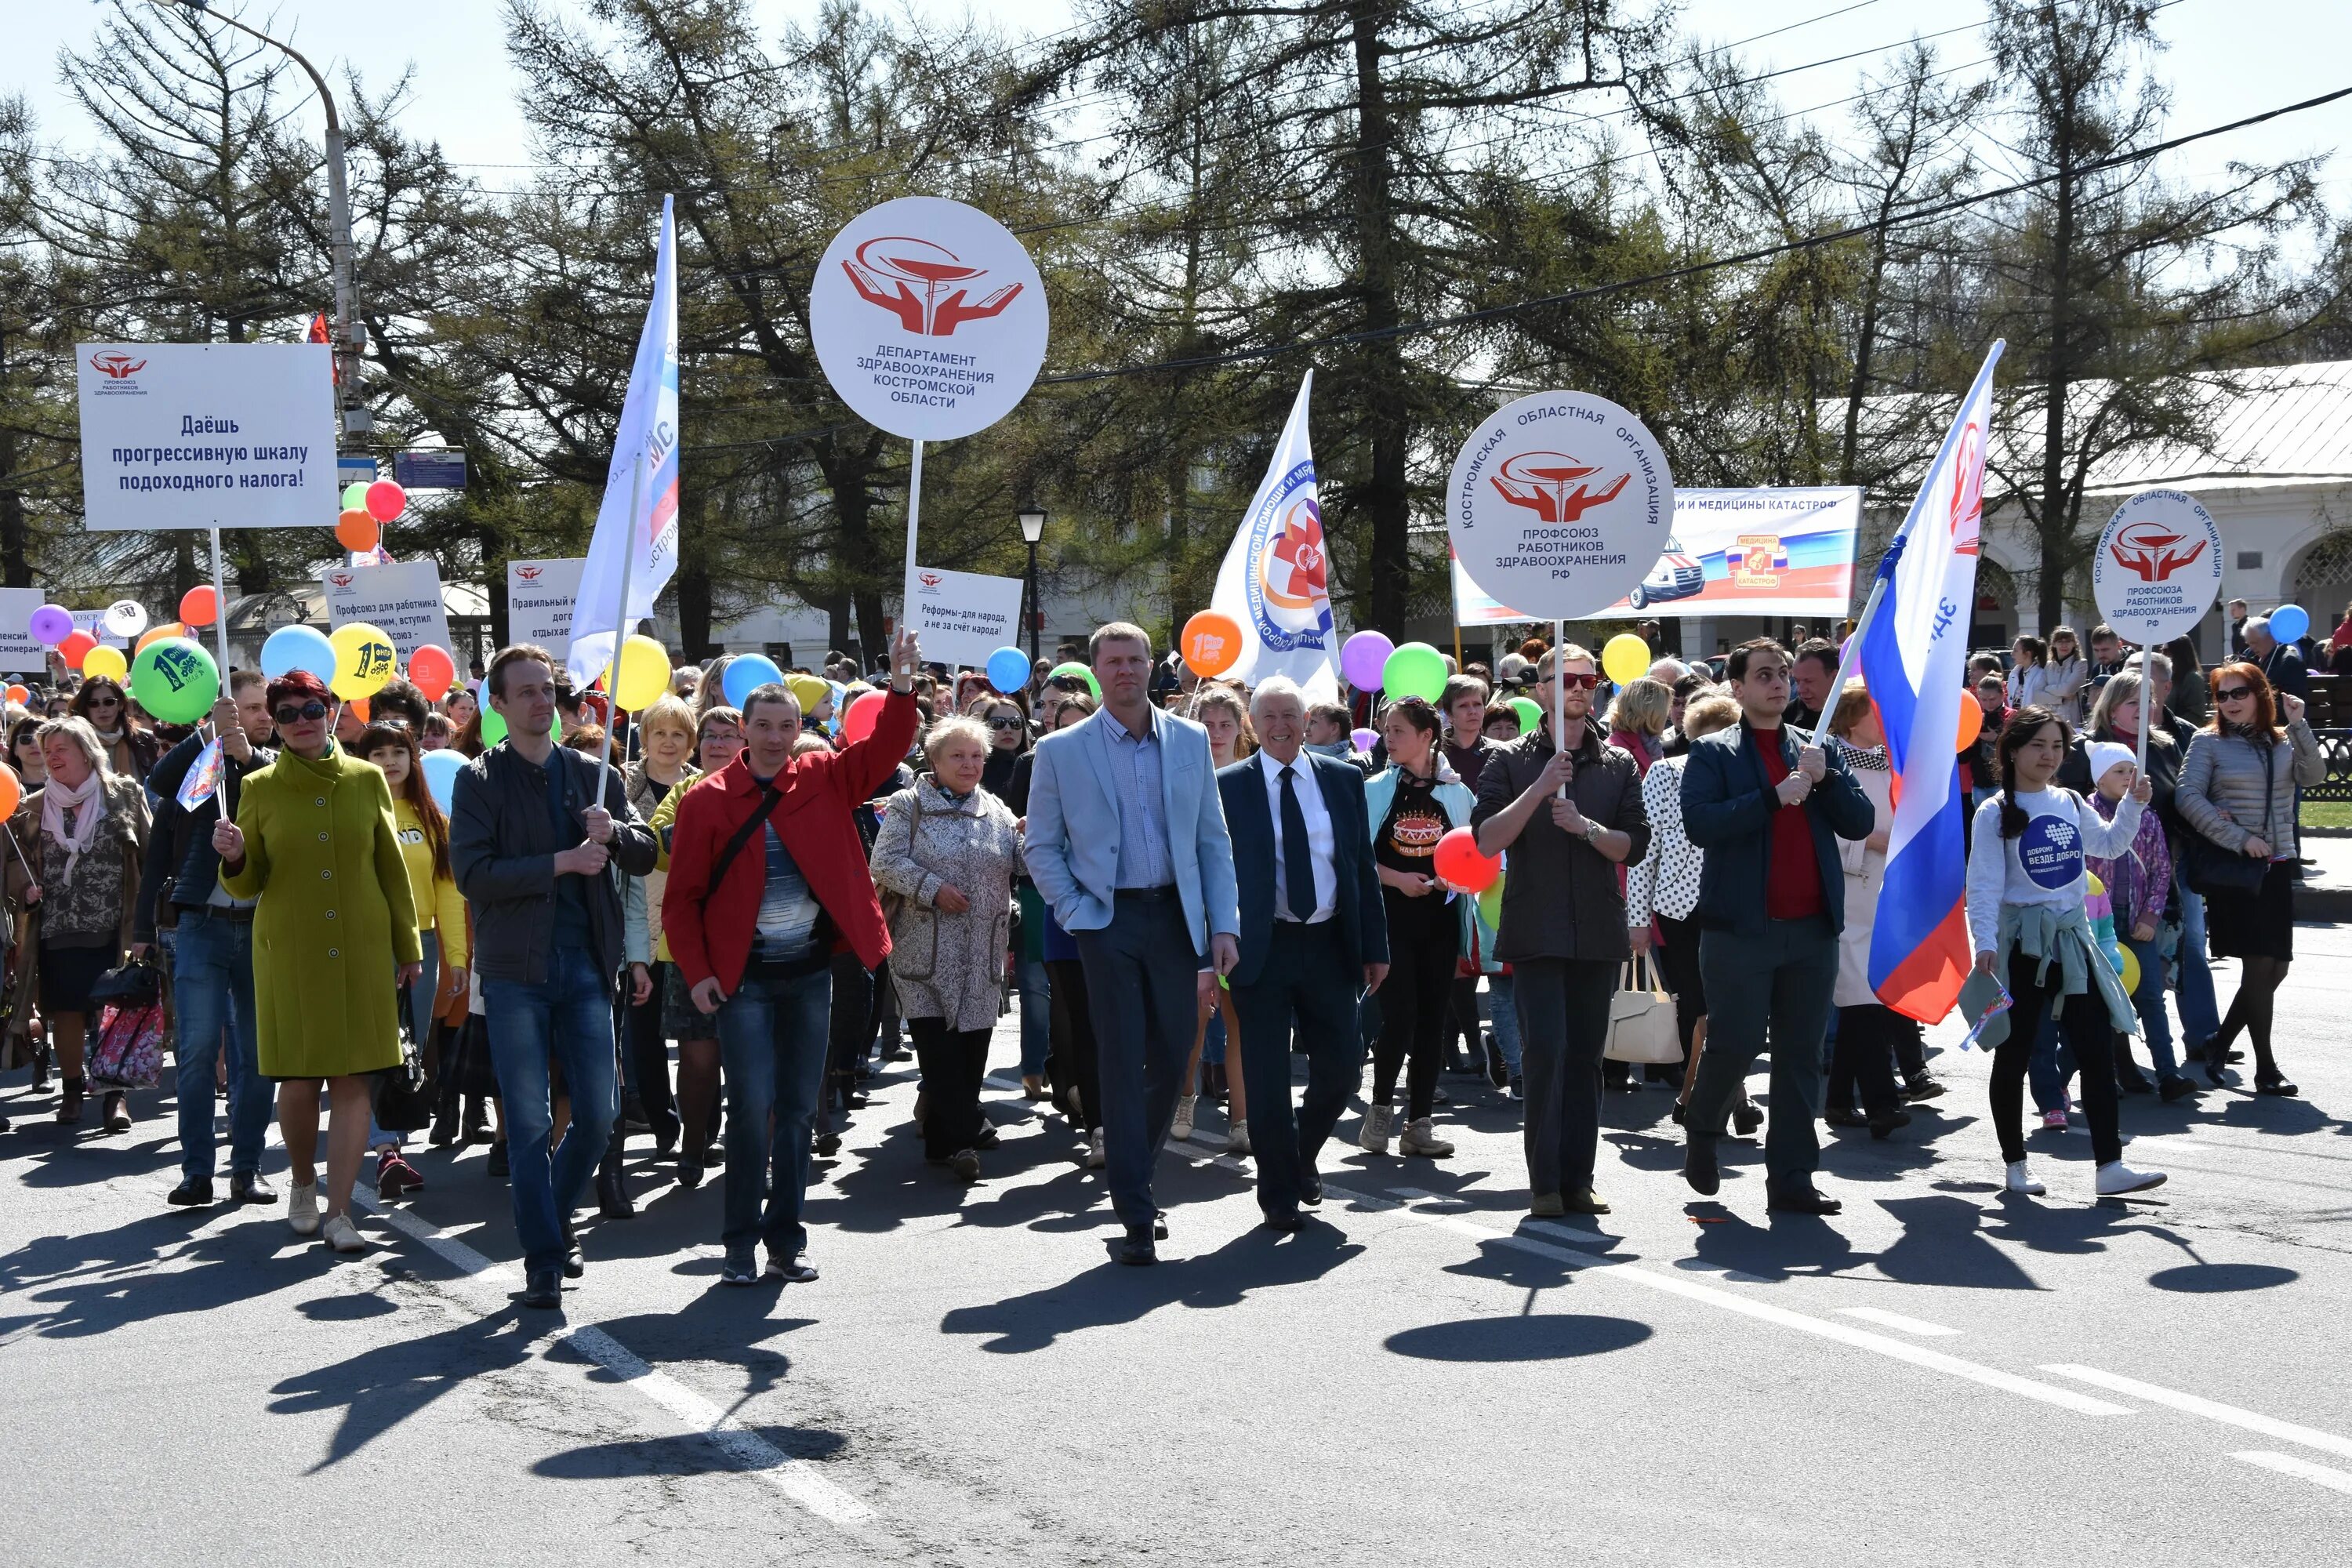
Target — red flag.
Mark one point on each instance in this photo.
(320, 334)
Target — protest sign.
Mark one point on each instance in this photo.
(401, 598)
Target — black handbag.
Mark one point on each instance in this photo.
(131, 984)
(403, 1103)
(2209, 868)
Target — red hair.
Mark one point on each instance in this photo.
(299, 684)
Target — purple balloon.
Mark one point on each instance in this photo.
(1364, 738)
(52, 623)
(1364, 657)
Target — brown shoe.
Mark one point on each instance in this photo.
(116, 1111)
(1586, 1201)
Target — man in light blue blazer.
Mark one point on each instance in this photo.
(1127, 841)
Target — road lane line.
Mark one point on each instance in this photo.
(2302, 1469)
(2212, 1410)
(797, 1478)
(1887, 1319)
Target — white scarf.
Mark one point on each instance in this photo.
(89, 812)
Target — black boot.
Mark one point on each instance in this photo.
(612, 1189)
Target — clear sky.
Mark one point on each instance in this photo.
(2226, 58)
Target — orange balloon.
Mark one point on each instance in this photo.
(157, 634)
(199, 605)
(19, 693)
(357, 531)
(1211, 643)
(359, 707)
(1972, 721)
(76, 647)
(12, 791)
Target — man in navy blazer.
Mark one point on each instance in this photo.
(1767, 807)
(1314, 940)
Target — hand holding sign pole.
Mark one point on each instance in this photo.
(2156, 569)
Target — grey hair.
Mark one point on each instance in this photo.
(2159, 663)
(1277, 686)
(2257, 623)
(83, 735)
(954, 726)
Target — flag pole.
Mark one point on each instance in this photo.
(621, 628)
(220, 609)
(1559, 695)
(1852, 653)
(914, 514)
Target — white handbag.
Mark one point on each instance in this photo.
(1641, 1026)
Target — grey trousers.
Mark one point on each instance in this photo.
(1143, 992)
(1563, 1007)
(1768, 990)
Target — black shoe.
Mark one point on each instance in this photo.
(1746, 1119)
(542, 1287)
(1287, 1221)
(1310, 1189)
(613, 1200)
(1698, 1164)
(1497, 1073)
(1160, 1226)
(248, 1187)
(2134, 1083)
(1681, 1114)
(1439, 1097)
(575, 1263)
(986, 1137)
(1519, 1087)
(826, 1144)
(2232, 1056)
(689, 1173)
(1924, 1087)
(445, 1128)
(497, 1166)
(1883, 1124)
(1136, 1249)
(1806, 1199)
(115, 1111)
(477, 1125)
(2179, 1086)
(194, 1193)
(964, 1163)
(2213, 1074)
(1844, 1116)
(633, 1115)
(2274, 1084)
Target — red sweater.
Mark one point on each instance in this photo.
(812, 817)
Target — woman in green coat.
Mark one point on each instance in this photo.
(335, 930)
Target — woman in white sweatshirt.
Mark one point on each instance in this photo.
(2027, 887)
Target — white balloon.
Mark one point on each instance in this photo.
(126, 619)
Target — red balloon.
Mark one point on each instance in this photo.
(863, 715)
(1460, 864)
(75, 646)
(385, 500)
(432, 671)
(198, 605)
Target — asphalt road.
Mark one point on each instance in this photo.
(1942, 1374)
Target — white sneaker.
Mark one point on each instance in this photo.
(341, 1235)
(1421, 1138)
(2115, 1177)
(1237, 1141)
(1095, 1155)
(1182, 1127)
(303, 1209)
(2021, 1179)
(1374, 1137)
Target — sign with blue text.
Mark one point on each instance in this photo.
(207, 436)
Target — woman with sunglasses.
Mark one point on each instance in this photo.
(717, 741)
(315, 844)
(1008, 740)
(130, 747)
(2237, 788)
(1009, 748)
(25, 751)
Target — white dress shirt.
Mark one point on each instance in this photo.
(1319, 836)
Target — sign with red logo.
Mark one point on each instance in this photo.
(928, 317)
(402, 599)
(1558, 504)
(116, 365)
(962, 618)
(206, 435)
(540, 596)
(2158, 568)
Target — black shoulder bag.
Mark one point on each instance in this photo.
(2209, 868)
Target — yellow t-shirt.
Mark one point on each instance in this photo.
(439, 906)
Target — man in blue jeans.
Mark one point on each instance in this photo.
(533, 851)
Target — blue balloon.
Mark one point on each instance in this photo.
(1007, 668)
(290, 649)
(747, 674)
(441, 770)
(2289, 621)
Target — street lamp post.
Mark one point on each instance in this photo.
(1033, 528)
(352, 420)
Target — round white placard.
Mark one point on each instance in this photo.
(2158, 568)
(1559, 504)
(929, 318)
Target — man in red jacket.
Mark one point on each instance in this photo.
(768, 880)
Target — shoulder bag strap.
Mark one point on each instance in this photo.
(761, 806)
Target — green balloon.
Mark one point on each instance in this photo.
(176, 679)
(1082, 672)
(1530, 716)
(355, 498)
(1415, 669)
(494, 728)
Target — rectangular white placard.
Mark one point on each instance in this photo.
(539, 602)
(401, 599)
(962, 618)
(207, 436)
(21, 653)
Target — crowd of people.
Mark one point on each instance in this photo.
(1184, 882)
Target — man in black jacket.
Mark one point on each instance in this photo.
(533, 852)
(212, 948)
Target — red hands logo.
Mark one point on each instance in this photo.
(1967, 493)
(1540, 481)
(912, 264)
(2146, 550)
(1295, 573)
(529, 574)
(115, 364)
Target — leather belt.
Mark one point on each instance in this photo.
(1159, 894)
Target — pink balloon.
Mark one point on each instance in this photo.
(385, 500)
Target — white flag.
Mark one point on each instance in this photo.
(1275, 579)
(635, 545)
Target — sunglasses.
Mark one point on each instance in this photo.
(2233, 693)
(106, 701)
(287, 714)
(1575, 682)
(1005, 724)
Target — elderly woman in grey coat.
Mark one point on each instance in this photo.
(946, 856)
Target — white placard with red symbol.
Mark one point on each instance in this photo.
(540, 596)
(207, 436)
(401, 599)
(962, 618)
(2157, 567)
(929, 318)
(1559, 504)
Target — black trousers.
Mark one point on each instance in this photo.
(1308, 979)
(1768, 990)
(649, 1055)
(1864, 1057)
(1143, 993)
(1563, 1007)
(952, 1062)
(849, 1035)
(1413, 1001)
(1076, 1061)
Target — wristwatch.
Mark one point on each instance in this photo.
(1592, 831)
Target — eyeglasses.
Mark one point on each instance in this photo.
(1005, 724)
(1575, 682)
(287, 714)
(2233, 693)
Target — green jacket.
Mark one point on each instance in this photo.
(336, 916)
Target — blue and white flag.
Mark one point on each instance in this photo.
(636, 543)
(1275, 582)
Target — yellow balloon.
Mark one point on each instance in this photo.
(106, 660)
(2131, 971)
(643, 675)
(1625, 658)
(365, 659)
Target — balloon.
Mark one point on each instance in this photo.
(1211, 643)
(1625, 658)
(1077, 671)
(863, 715)
(2289, 621)
(1362, 659)
(1416, 670)
(386, 500)
(432, 671)
(106, 660)
(1007, 668)
(2130, 970)
(364, 660)
(1530, 714)
(1460, 863)
(1490, 904)
(198, 605)
(74, 647)
(493, 727)
(356, 531)
(156, 635)
(1363, 739)
(441, 770)
(17, 694)
(355, 498)
(176, 680)
(1972, 721)
(746, 675)
(808, 690)
(359, 707)
(643, 673)
(51, 624)
(125, 618)
(290, 649)
(11, 792)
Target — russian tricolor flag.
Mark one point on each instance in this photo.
(1915, 650)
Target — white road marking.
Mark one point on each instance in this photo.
(2302, 1469)
(1887, 1319)
(797, 1478)
(2269, 1426)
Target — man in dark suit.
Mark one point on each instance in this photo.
(1314, 940)
(2281, 662)
(1767, 806)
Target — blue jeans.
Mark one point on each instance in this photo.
(2052, 1066)
(772, 1047)
(420, 1024)
(212, 985)
(2200, 1016)
(2148, 1003)
(1036, 1016)
(1503, 1016)
(568, 1016)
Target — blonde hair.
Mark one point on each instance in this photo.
(1645, 707)
(83, 735)
(1851, 704)
(667, 711)
(955, 726)
(1705, 715)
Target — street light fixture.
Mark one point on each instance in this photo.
(1033, 528)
